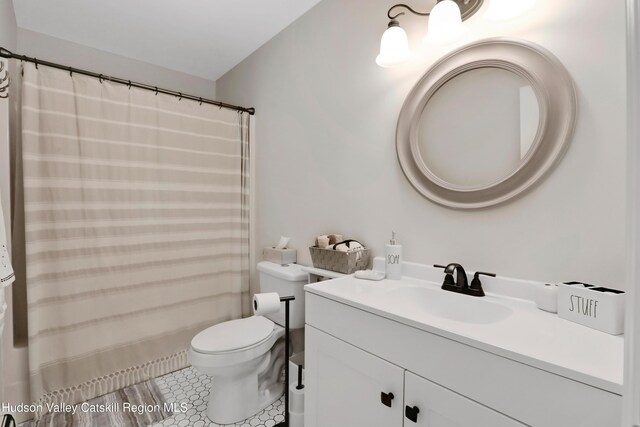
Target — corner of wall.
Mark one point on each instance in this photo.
(8, 25)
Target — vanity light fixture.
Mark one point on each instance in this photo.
(445, 25)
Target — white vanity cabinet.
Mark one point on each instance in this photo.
(353, 356)
(349, 387)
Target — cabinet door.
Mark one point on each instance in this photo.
(348, 387)
(430, 405)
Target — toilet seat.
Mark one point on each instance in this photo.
(234, 335)
(235, 357)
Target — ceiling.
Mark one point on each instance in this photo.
(205, 38)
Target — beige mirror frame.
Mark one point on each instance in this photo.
(557, 100)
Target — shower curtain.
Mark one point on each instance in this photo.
(136, 230)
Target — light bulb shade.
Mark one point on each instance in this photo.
(445, 23)
(500, 10)
(394, 47)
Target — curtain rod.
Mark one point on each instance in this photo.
(5, 53)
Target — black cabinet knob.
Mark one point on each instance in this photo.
(386, 398)
(411, 413)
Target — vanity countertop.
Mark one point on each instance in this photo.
(525, 334)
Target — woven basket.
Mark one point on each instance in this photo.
(342, 262)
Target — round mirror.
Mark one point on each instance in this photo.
(477, 127)
(486, 123)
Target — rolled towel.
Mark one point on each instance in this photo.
(323, 242)
(341, 248)
(355, 246)
(335, 238)
(348, 246)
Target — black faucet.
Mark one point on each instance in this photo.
(461, 285)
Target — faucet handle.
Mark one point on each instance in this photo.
(476, 285)
(448, 278)
(480, 273)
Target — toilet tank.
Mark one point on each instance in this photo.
(286, 280)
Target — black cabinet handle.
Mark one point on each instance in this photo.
(411, 413)
(386, 398)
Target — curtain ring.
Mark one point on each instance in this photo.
(200, 101)
(156, 90)
(180, 97)
(70, 72)
(100, 78)
(35, 61)
(129, 84)
(5, 88)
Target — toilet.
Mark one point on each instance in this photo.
(245, 357)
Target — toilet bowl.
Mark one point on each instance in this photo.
(235, 354)
(245, 357)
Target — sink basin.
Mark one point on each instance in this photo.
(448, 305)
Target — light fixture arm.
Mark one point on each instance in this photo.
(409, 8)
(467, 8)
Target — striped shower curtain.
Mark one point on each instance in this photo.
(136, 222)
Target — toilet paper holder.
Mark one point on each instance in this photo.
(286, 301)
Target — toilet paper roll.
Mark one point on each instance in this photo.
(296, 399)
(323, 242)
(335, 238)
(296, 419)
(266, 303)
(547, 298)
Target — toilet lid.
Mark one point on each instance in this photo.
(233, 335)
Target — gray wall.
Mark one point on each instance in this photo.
(8, 27)
(42, 46)
(326, 159)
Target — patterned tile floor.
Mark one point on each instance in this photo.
(187, 385)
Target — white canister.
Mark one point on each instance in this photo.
(547, 297)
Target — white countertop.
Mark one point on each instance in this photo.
(529, 335)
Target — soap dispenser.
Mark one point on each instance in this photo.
(393, 259)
